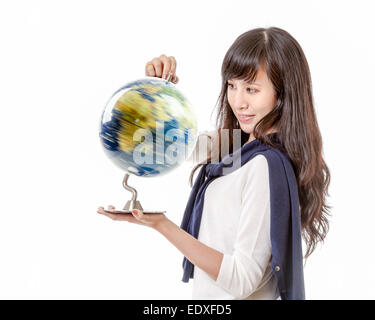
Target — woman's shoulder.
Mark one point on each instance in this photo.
(255, 178)
(258, 165)
(271, 165)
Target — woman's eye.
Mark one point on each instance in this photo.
(251, 90)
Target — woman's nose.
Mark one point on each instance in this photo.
(240, 102)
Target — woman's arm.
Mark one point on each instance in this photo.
(204, 257)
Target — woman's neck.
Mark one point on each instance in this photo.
(251, 138)
(251, 135)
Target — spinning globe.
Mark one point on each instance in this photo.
(148, 127)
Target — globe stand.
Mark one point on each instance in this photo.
(133, 203)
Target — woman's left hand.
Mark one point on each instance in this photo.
(137, 216)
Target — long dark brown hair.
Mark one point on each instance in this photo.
(293, 117)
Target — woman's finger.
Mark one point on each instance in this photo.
(158, 67)
(173, 66)
(175, 79)
(150, 70)
(166, 65)
(100, 210)
(119, 216)
(138, 214)
(105, 213)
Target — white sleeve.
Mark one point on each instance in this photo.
(242, 271)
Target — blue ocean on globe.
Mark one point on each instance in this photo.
(148, 127)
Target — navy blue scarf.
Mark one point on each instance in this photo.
(285, 213)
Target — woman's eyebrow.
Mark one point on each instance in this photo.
(253, 82)
(249, 82)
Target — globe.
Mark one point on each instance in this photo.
(148, 127)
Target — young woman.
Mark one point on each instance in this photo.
(241, 231)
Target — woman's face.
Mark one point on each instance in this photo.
(255, 99)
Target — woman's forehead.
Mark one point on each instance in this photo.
(260, 78)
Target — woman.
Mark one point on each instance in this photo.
(244, 242)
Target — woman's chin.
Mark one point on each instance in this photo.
(246, 129)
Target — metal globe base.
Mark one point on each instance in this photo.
(133, 203)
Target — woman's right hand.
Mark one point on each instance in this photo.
(161, 67)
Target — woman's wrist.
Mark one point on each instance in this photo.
(161, 224)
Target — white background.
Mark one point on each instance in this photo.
(61, 61)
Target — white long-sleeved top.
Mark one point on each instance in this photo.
(236, 222)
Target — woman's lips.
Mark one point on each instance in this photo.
(244, 118)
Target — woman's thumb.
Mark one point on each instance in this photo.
(136, 213)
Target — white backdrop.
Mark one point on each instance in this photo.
(61, 61)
